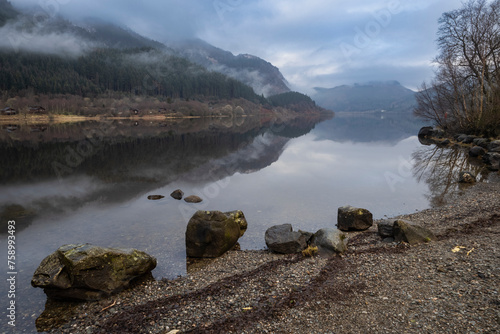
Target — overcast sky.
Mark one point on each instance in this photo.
(315, 43)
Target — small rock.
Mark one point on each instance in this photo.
(193, 199)
(177, 194)
(155, 197)
(385, 228)
(466, 177)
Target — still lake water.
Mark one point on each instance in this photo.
(89, 182)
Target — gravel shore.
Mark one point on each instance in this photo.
(375, 287)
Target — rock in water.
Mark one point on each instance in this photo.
(282, 239)
(193, 199)
(155, 197)
(211, 234)
(354, 219)
(412, 234)
(177, 194)
(329, 241)
(87, 272)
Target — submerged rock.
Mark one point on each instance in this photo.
(354, 219)
(212, 233)
(87, 272)
(282, 239)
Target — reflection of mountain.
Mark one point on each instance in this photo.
(372, 96)
(369, 127)
(128, 160)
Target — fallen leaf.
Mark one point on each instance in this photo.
(457, 249)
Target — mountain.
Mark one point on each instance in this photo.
(371, 96)
(261, 75)
(7, 12)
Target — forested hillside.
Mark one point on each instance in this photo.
(135, 71)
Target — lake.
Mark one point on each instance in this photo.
(89, 182)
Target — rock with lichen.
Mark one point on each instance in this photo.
(87, 272)
(354, 219)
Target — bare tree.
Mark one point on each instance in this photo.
(464, 94)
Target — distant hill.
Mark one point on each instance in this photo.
(261, 75)
(372, 96)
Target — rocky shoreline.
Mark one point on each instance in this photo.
(447, 286)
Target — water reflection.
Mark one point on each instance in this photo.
(89, 182)
(439, 167)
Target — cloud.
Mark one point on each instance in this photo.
(16, 37)
(323, 42)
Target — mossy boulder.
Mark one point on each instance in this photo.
(405, 231)
(87, 272)
(329, 241)
(354, 219)
(210, 234)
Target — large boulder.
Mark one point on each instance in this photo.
(329, 241)
(405, 231)
(476, 151)
(354, 219)
(282, 239)
(212, 233)
(87, 272)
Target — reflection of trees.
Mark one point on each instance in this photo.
(439, 168)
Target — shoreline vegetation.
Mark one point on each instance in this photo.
(446, 285)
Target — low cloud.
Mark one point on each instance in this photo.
(16, 36)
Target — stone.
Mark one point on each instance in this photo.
(193, 199)
(493, 160)
(155, 197)
(483, 142)
(87, 272)
(405, 231)
(494, 146)
(476, 151)
(240, 219)
(469, 139)
(282, 239)
(385, 228)
(445, 142)
(177, 194)
(466, 177)
(461, 137)
(329, 241)
(210, 234)
(426, 131)
(354, 219)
